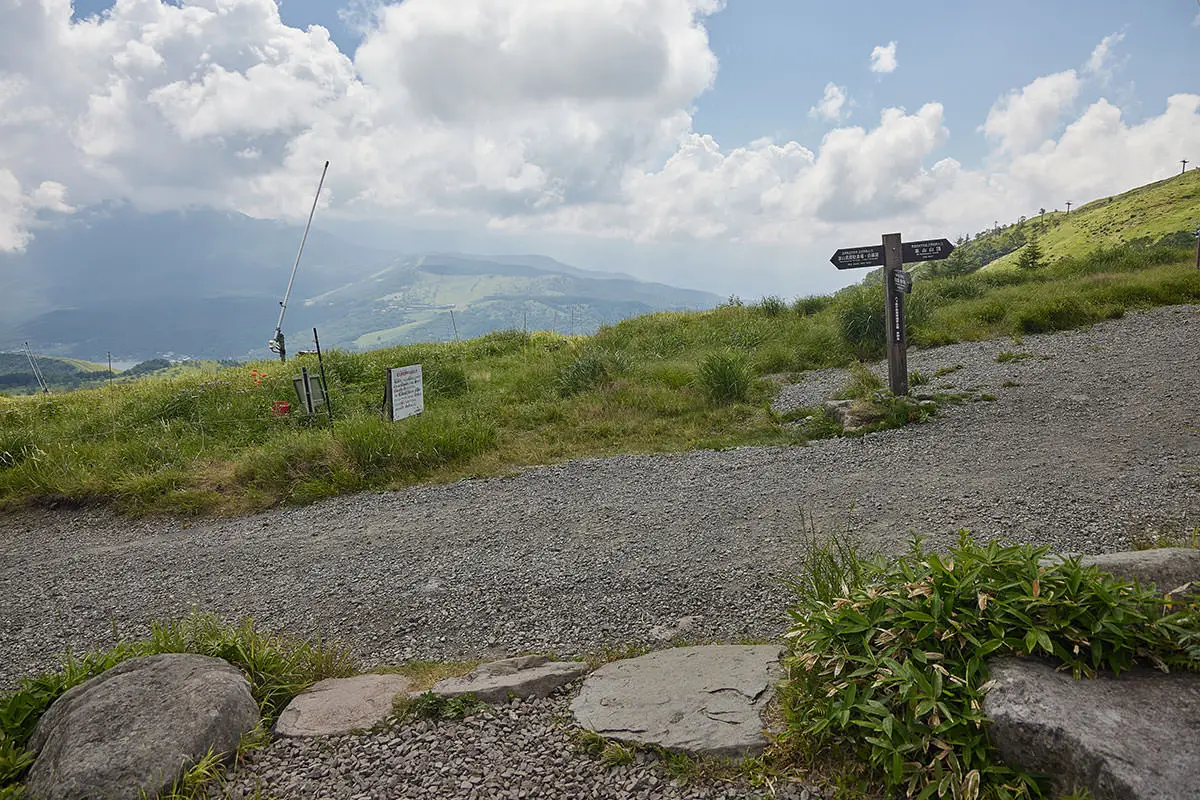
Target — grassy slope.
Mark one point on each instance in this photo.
(1152, 211)
(197, 439)
(206, 442)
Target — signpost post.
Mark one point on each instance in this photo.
(892, 256)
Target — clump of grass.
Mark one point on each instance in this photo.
(811, 304)
(726, 377)
(889, 658)
(1007, 355)
(944, 371)
(1154, 540)
(436, 707)
(772, 305)
(859, 312)
(277, 667)
(590, 370)
(863, 385)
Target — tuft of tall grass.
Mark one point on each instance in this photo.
(772, 305)
(860, 316)
(726, 377)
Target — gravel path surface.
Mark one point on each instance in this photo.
(522, 749)
(1097, 444)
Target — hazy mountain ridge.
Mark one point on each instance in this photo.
(207, 284)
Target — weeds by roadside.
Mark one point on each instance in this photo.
(888, 659)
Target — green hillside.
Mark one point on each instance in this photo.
(218, 441)
(17, 376)
(1167, 209)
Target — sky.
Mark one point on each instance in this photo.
(728, 146)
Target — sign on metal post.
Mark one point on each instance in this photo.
(928, 250)
(405, 392)
(892, 256)
(853, 257)
(897, 341)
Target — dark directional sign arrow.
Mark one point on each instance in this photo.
(928, 250)
(851, 257)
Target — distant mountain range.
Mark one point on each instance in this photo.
(207, 284)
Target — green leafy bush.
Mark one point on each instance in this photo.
(726, 377)
(889, 658)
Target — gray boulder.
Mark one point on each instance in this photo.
(1130, 737)
(337, 706)
(706, 700)
(523, 676)
(138, 726)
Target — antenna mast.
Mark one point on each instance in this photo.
(276, 344)
(37, 373)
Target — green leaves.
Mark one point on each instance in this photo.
(895, 654)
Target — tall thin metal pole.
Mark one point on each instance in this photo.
(1185, 163)
(324, 383)
(295, 266)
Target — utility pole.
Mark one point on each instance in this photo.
(1068, 208)
(1197, 248)
(1183, 161)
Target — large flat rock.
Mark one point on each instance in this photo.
(705, 700)
(1168, 568)
(1131, 737)
(337, 706)
(134, 728)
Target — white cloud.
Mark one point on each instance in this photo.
(1099, 63)
(834, 106)
(1021, 120)
(523, 116)
(883, 58)
(18, 209)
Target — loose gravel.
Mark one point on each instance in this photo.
(1091, 442)
(521, 749)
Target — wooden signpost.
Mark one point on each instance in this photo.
(892, 256)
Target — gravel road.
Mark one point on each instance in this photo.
(1092, 440)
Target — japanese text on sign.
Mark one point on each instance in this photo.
(407, 391)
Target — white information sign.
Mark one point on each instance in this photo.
(407, 391)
